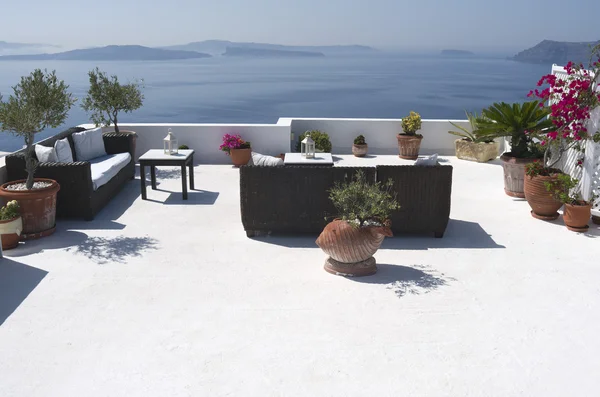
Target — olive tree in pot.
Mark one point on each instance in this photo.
(107, 97)
(350, 241)
(520, 122)
(39, 101)
(474, 146)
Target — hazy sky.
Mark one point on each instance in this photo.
(425, 24)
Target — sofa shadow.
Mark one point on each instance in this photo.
(17, 281)
(104, 250)
(405, 280)
(289, 240)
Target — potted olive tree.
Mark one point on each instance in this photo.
(409, 142)
(107, 98)
(364, 208)
(472, 145)
(521, 122)
(39, 101)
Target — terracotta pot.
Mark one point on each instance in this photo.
(577, 217)
(351, 248)
(514, 175)
(543, 204)
(38, 208)
(476, 151)
(360, 150)
(240, 157)
(10, 232)
(409, 146)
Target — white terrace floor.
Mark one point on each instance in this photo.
(162, 298)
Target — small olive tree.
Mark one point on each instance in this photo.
(39, 101)
(106, 98)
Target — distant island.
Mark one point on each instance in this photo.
(457, 53)
(218, 47)
(111, 53)
(23, 48)
(269, 53)
(558, 52)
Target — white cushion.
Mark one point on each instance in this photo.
(45, 154)
(106, 167)
(267, 161)
(428, 161)
(89, 144)
(63, 152)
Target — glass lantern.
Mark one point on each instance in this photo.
(170, 144)
(307, 147)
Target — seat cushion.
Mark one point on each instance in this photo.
(89, 144)
(266, 161)
(63, 151)
(428, 161)
(106, 167)
(45, 154)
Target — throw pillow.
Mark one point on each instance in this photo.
(89, 144)
(265, 161)
(45, 154)
(63, 151)
(428, 161)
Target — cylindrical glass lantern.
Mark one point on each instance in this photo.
(307, 147)
(170, 144)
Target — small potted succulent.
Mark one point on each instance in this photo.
(473, 146)
(577, 211)
(360, 147)
(11, 225)
(239, 150)
(409, 142)
(364, 209)
(322, 142)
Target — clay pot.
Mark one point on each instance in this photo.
(577, 217)
(409, 146)
(596, 219)
(476, 151)
(240, 157)
(10, 232)
(543, 204)
(360, 150)
(351, 248)
(514, 175)
(38, 208)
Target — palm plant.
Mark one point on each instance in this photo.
(472, 135)
(519, 121)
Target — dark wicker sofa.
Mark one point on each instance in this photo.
(77, 197)
(296, 199)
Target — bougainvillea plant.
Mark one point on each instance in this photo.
(233, 142)
(571, 100)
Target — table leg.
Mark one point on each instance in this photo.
(192, 173)
(153, 176)
(143, 180)
(184, 182)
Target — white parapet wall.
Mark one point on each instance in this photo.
(380, 134)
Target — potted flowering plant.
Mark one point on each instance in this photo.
(239, 150)
(11, 225)
(360, 147)
(409, 142)
(577, 212)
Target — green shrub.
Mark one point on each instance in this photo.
(183, 147)
(359, 201)
(411, 123)
(360, 140)
(10, 211)
(322, 142)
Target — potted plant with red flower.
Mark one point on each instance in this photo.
(239, 150)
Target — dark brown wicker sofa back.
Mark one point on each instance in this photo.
(77, 197)
(296, 199)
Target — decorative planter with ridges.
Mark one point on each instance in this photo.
(514, 175)
(409, 146)
(543, 204)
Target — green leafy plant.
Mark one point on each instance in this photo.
(322, 142)
(106, 98)
(566, 189)
(364, 203)
(472, 134)
(536, 168)
(519, 121)
(39, 101)
(183, 147)
(10, 211)
(411, 124)
(360, 140)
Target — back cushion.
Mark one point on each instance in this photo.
(63, 151)
(89, 144)
(45, 154)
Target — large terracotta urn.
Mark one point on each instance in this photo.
(543, 204)
(409, 146)
(514, 174)
(351, 248)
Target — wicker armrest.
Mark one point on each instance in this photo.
(75, 176)
(119, 143)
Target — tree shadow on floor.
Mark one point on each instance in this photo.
(404, 280)
(17, 281)
(103, 250)
(60, 239)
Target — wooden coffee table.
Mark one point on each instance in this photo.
(157, 157)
